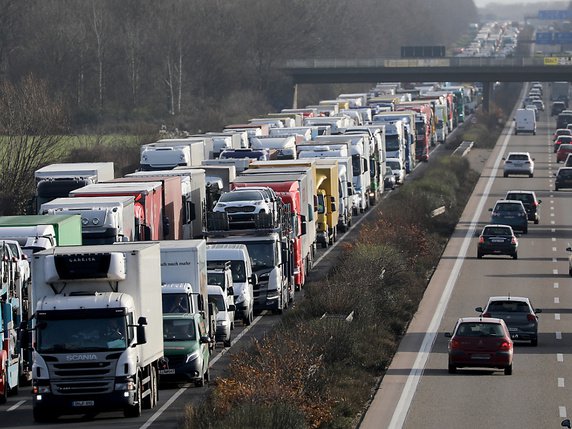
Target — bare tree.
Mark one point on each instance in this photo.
(32, 125)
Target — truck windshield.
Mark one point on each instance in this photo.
(216, 279)
(81, 335)
(176, 303)
(179, 330)
(262, 254)
(218, 301)
(321, 206)
(391, 142)
(356, 165)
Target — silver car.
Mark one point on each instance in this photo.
(518, 163)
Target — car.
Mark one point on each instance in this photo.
(563, 139)
(563, 151)
(398, 169)
(389, 179)
(561, 132)
(530, 202)
(557, 107)
(563, 178)
(568, 162)
(480, 342)
(512, 213)
(539, 104)
(497, 240)
(225, 314)
(520, 316)
(533, 108)
(518, 163)
(242, 207)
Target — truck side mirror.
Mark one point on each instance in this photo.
(253, 280)
(141, 335)
(166, 226)
(333, 207)
(231, 307)
(230, 291)
(304, 229)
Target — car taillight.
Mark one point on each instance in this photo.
(455, 344)
(481, 239)
(505, 345)
(486, 314)
(535, 204)
(531, 317)
(513, 240)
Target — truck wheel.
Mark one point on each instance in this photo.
(228, 341)
(325, 243)
(134, 410)
(4, 393)
(151, 400)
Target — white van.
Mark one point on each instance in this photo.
(525, 121)
(242, 276)
(225, 314)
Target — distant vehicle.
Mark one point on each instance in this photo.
(568, 162)
(563, 139)
(398, 168)
(243, 206)
(563, 151)
(561, 132)
(563, 178)
(518, 163)
(564, 118)
(530, 202)
(497, 240)
(510, 213)
(480, 342)
(569, 250)
(539, 105)
(557, 107)
(225, 314)
(389, 179)
(519, 315)
(525, 121)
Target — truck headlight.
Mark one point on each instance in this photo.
(272, 294)
(193, 356)
(222, 322)
(38, 390)
(124, 385)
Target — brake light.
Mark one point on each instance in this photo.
(505, 346)
(455, 344)
(486, 314)
(531, 317)
(481, 239)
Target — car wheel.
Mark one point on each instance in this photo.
(531, 175)
(228, 341)
(536, 221)
(452, 369)
(515, 255)
(508, 370)
(505, 175)
(570, 271)
(556, 188)
(525, 230)
(479, 255)
(534, 342)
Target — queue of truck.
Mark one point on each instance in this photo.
(141, 276)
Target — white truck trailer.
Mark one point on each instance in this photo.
(97, 329)
(167, 154)
(104, 220)
(57, 180)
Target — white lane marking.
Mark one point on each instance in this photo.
(556, 300)
(553, 229)
(179, 392)
(400, 412)
(559, 357)
(554, 260)
(551, 201)
(554, 249)
(551, 195)
(556, 285)
(555, 272)
(558, 335)
(16, 405)
(553, 239)
(556, 316)
(551, 208)
(562, 411)
(560, 382)
(551, 214)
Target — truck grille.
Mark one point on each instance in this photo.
(243, 209)
(79, 378)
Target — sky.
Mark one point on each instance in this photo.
(480, 3)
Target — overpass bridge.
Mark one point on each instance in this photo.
(453, 69)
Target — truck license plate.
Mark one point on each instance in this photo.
(166, 371)
(83, 403)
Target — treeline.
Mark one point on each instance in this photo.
(198, 64)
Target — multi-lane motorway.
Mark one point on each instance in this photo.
(418, 391)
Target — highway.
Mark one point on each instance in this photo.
(417, 390)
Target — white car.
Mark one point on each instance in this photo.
(242, 207)
(398, 169)
(518, 163)
(225, 315)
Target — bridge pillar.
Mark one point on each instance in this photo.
(486, 96)
(295, 97)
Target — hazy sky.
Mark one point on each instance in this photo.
(480, 3)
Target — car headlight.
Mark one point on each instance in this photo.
(222, 322)
(193, 356)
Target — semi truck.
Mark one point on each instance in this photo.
(57, 180)
(104, 220)
(148, 204)
(39, 232)
(167, 154)
(97, 332)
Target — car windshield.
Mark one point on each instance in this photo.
(565, 173)
(508, 307)
(479, 329)
(218, 300)
(216, 279)
(262, 254)
(525, 198)
(566, 139)
(179, 330)
(518, 157)
(241, 196)
(393, 165)
(507, 207)
(497, 230)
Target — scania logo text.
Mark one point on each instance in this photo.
(81, 357)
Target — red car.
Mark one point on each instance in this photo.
(561, 132)
(561, 140)
(563, 151)
(480, 342)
